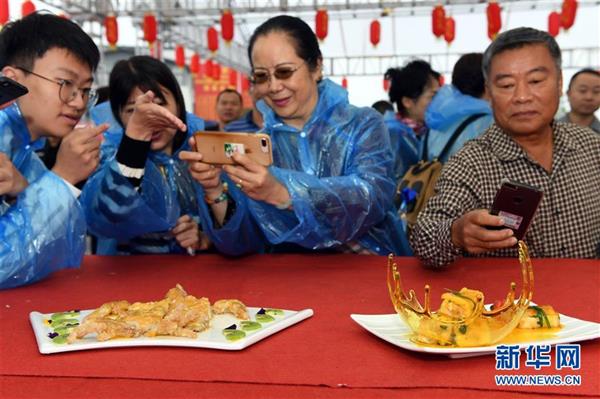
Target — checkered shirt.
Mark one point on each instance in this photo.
(567, 223)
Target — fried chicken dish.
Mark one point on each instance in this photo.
(178, 314)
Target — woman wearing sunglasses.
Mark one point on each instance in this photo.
(142, 198)
(330, 185)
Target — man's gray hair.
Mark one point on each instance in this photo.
(517, 38)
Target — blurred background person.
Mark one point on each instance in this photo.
(584, 98)
(229, 108)
(411, 89)
(453, 104)
(382, 106)
(252, 121)
(330, 186)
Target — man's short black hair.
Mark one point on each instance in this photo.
(467, 76)
(24, 41)
(584, 70)
(230, 91)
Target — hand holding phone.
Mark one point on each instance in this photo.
(10, 90)
(218, 147)
(517, 204)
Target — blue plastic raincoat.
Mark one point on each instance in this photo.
(445, 113)
(338, 172)
(126, 220)
(405, 144)
(44, 229)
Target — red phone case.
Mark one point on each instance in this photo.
(517, 203)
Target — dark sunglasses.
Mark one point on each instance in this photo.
(281, 73)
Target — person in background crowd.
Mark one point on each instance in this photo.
(251, 122)
(229, 108)
(383, 106)
(142, 198)
(412, 89)
(42, 226)
(584, 98)
(523, 74)
(453, 104)
(330, 186)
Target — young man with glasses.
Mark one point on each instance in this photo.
(42, 226)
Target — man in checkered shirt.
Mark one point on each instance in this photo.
(523, 76)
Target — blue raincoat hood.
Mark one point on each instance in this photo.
(450, 105)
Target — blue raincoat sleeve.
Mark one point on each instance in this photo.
(240, 235)
(405, 145)
(330, 211)
(43, 230)
(113, 207)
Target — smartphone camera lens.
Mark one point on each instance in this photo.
(264, 145)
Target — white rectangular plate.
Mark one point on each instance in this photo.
(391, 328)
(212, 338)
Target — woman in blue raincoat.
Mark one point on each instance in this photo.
(411, 90)
(330, 186)
(142, 198)
(453, 104)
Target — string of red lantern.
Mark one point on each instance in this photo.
(494, 19)
(554, 23)
(450, 32)
(227, 26)
(321, 23)
(375, 32)
(180, 56)
(438, 20)
(27, 7)
(4, 12)
(208, 68)
(568, 12)
(233, 77)
(345, 83)
(111, 29)
(386, 85)
(216, 71)
(195, 64)
(212, 39)
(149, 26)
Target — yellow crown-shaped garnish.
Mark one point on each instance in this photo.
(462, 319)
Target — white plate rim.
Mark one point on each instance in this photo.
(365, 321)
(46, 346)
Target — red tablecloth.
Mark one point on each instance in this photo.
(324, 356)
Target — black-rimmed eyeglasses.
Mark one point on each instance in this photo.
(68, 90)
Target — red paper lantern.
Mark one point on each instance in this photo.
(4, 12)
(438, 20)
(345, 83)
(245, 83)
(216, 71)
(554, 23)
(494, 19)
(386, 84)
(208, 68)
(568, 12)
(375, 32)
(232, 77)
(195, 64)
(321, 23)
(227, 26)
(149, 28)
(441, 80)
(450, 32)
(212, 38)
(111, 29)
(180, 56)
(27, 7)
